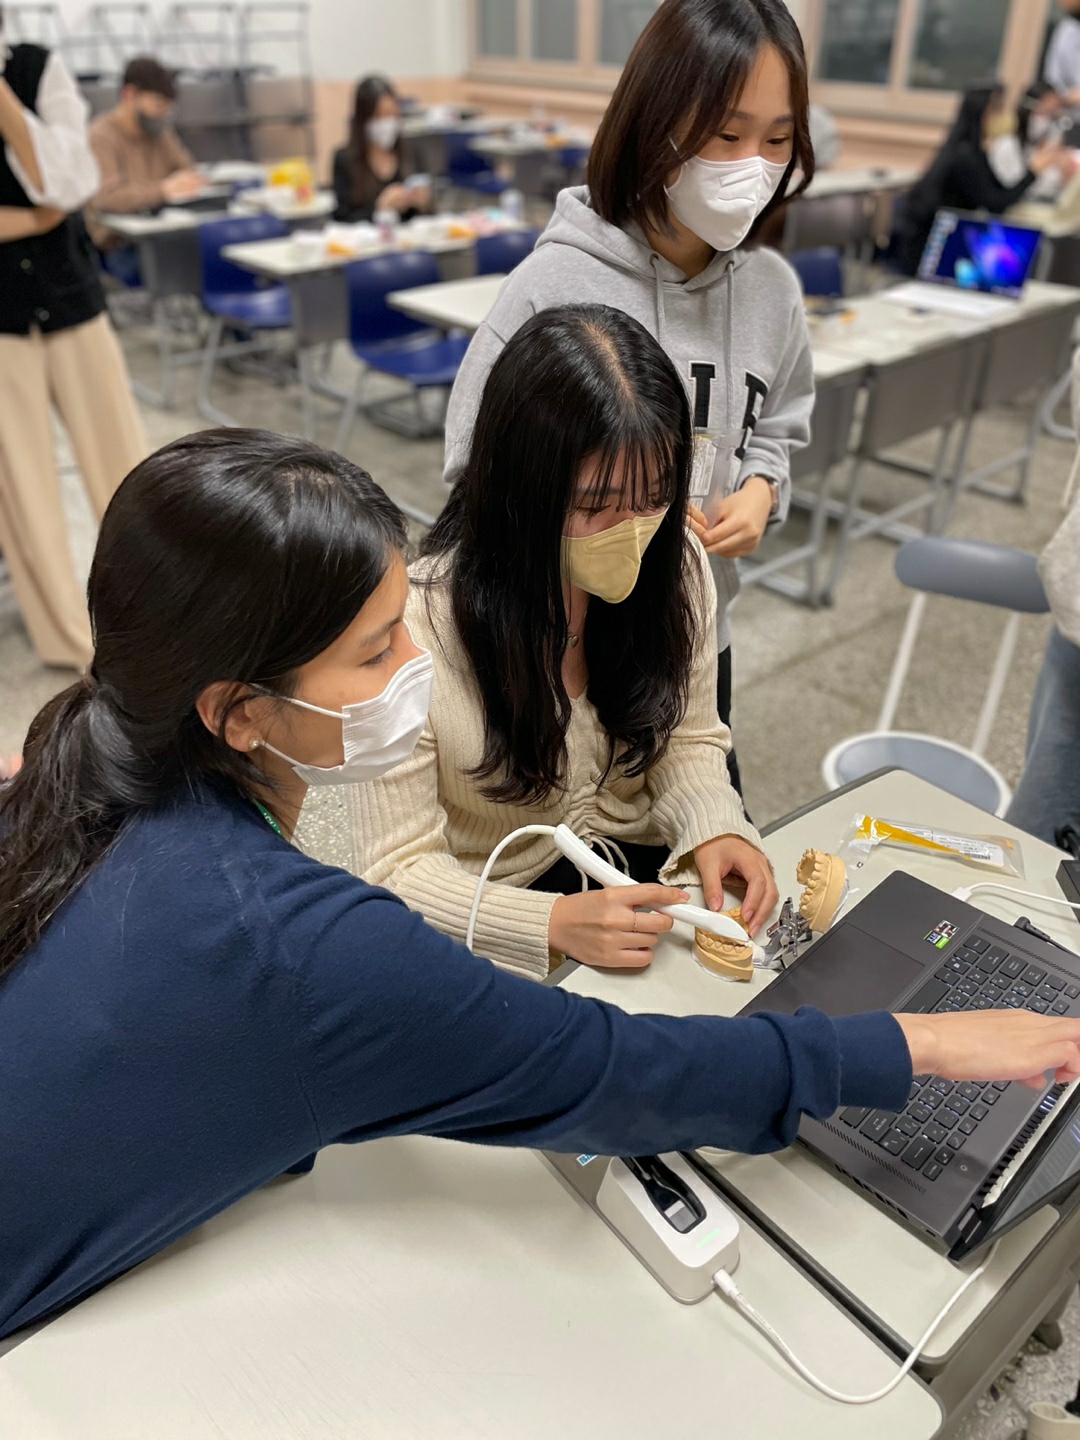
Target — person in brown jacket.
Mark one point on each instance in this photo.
(143, 162)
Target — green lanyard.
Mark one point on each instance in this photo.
(265, 813)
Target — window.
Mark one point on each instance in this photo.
(908, 59)
(497, 27)
(555, 30)
(857, 41)
(957, 43)
(621, 22)
(581, 40)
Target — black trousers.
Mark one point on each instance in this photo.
(723, 704)
(564, 878)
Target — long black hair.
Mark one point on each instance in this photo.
(576, 384)
(364, 183)
(233, 555)
(681, 83)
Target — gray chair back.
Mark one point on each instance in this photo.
(843, 220)
(922, 392)
(973, 570)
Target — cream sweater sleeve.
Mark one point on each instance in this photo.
(399, 840)
(693, 800)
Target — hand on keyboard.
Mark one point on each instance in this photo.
(994, 1045)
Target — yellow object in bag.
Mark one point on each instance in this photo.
(999, 853)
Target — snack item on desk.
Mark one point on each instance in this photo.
(731, 959)
(824, 878)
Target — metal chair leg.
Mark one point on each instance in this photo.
(843, 544)
(1049, 407)
(206, 408)
(348, 414)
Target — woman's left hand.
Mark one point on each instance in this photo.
(730, 855)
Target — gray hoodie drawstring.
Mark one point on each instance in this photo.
(729, 365)
(661, 315)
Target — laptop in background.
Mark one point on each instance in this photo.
(972, 266)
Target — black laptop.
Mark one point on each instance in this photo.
(961, 1163)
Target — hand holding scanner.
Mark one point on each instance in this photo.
(592, 864)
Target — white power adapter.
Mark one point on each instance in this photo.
(678, 1227)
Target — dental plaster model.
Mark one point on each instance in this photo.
(731, 959)
(825, 880)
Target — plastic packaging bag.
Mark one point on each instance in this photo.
(998, 854)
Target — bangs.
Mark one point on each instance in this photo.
(644, 472)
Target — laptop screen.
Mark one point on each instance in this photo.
(973, 253)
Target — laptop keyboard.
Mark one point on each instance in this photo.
(942, 1115)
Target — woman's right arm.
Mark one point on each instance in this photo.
(409, 1033)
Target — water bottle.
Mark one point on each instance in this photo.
(512, 204)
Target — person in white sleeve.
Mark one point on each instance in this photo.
(57, 347)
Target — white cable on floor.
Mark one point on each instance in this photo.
(727, 1286)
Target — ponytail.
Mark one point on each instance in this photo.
(57, 816)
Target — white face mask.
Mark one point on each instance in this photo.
(719, 200)
(377, 734)
(384, 133)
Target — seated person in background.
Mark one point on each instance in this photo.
(1037, 121)
(961, 176)
(1061, 68)
(571, 615)
(368, 171)
(143, 162)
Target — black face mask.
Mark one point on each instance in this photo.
(151, 125)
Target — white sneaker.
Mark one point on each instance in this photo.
(1047, 1421)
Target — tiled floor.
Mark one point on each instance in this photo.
(804, 679)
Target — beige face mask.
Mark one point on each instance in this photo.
(607, 564)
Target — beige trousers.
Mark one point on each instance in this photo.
(83, 373)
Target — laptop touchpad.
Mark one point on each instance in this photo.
(848, 972)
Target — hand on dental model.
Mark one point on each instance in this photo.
(605, 928)
(731, 855)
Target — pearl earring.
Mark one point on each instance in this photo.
(254, 744)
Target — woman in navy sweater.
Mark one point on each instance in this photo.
(190, 1006)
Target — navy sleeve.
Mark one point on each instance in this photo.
(405, 1031)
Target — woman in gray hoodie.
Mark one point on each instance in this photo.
(705, 130)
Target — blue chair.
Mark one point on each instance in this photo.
(498, 254)
(386, 341)
(820, 271)
(468, 170)
(236, 298)
(122, 265)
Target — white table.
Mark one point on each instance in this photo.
(415, 1289)
(863, 180)
(892, 1277)
(535, 161)
(453, 305)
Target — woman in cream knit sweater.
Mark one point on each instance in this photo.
(572, 620)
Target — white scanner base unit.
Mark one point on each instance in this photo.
(677, 1225)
